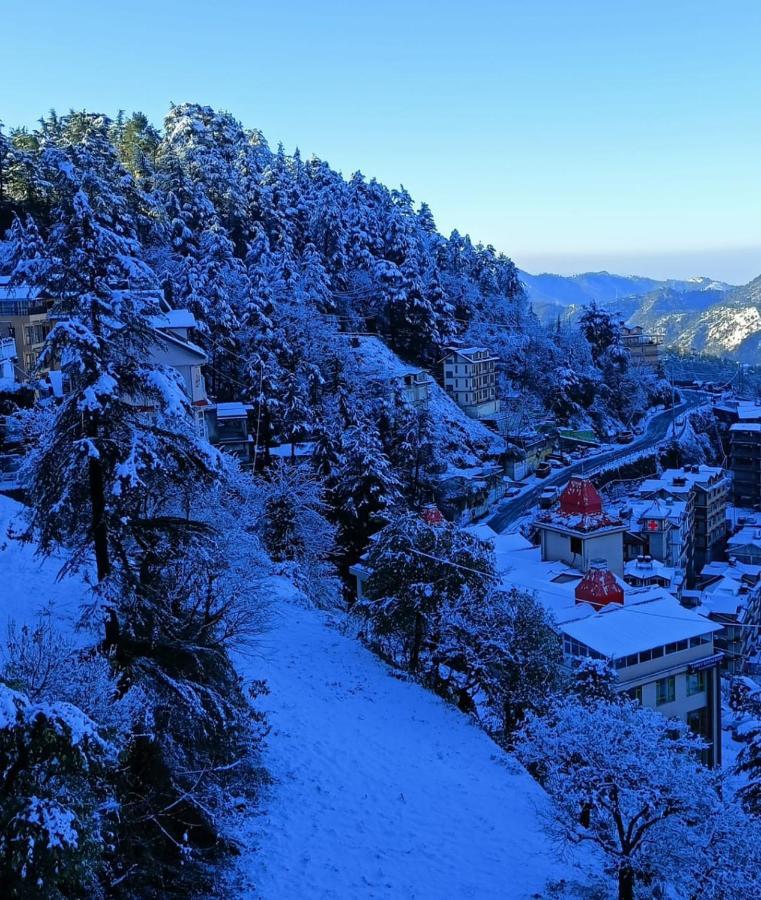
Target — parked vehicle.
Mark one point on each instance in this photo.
(624, 437)
(543, 470)
(548, 496)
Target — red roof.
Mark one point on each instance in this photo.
(599, 587)
(431, 514)
(580, 498)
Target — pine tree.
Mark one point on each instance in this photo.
(98, 447)
(364, 489)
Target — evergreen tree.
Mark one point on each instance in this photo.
(364, 489)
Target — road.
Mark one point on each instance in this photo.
(511, 510)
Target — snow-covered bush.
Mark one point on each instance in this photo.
(628, 780)
(432, 605)
(56, 809)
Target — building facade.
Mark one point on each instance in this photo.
(24, 319)
(745, 462)
(579, 532)
(644, 348)
(470, 378)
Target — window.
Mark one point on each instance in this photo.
(696, 683)
(577, 546)
(665, 690)
(636, 693)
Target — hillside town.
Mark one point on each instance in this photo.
(318, 537)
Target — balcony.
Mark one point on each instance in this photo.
(23, 307)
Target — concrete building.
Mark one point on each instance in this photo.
(24, 319)
(643, 347)
(579, 531)
(706, 492)
(227, 427)
(470, 378)
(745, 462)
(730, 595)
(663, 654)
(664, 528)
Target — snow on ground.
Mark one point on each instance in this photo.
(28, 583)
(381, 789)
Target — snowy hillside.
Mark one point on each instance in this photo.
(28, 583)
(381, 789)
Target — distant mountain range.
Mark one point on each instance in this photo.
(693, 314)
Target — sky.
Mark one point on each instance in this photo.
(572, 136)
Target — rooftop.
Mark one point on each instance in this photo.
(617, 631)
(174, 318)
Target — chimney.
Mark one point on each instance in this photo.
(599, 586)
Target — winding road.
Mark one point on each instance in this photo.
(657, 428)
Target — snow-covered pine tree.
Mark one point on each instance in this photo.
(95, 451)
(55, 802)
(625, 779)
(364, 490)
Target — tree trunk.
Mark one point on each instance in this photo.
(625, 882)
(99, 526)
(417, 641)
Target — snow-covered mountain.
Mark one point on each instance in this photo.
(696, 314)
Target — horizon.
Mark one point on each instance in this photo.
(576, 140)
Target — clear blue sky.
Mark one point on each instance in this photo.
(572, 134)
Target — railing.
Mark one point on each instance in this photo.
(7, 348)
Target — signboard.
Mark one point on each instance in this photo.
(708, 663)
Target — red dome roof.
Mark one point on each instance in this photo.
(431, 514)
(599, 587)
(580, 498)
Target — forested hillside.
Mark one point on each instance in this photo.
(276, 256)
(282, 262)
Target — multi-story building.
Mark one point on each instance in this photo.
(663, 526)
(643, 348)
(24, 318)
(730, 595)
(663, 654)
(579, 531)
(745, 462)
(470, 378)
(706, 492)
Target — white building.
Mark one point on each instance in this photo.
(578, 531)
(663, 654)
(470, 378)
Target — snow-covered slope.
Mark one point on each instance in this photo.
(382, 790)
(28, 583)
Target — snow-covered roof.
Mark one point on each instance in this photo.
(174, 318)
(750, 536)
(232, 410)
(378, 362)
(735, 569)
(19, 292)
(681, 481)
(745, 410)
(617, 631)
(649, 568)
(657, 508)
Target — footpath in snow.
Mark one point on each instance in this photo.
(381, 789)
